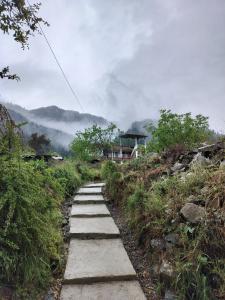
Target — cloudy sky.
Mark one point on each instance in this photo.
(126, 59)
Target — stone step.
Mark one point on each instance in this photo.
(91, 261)
(91, 185)
(89, 199)
(89, 190)
(89, 211)
(121, 290)
(93, 228)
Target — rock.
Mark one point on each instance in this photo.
(207, 148)
(158, 244)
(172, 238)
(177, 167)
(169, 295)
(166, 272)
(155, 269)
(222, 164)
(65, 221)
(204, 190)
(49, 296)
(193, 213)
(193, 199)
(200, 160)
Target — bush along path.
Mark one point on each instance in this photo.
(98, 266)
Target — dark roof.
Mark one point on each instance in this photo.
(133, 134)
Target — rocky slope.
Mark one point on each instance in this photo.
(175, 205)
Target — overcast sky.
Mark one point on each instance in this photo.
(125, 58)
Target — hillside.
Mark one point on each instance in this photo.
(58, 124)
(173, 205)
(55, 113)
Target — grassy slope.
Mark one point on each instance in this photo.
(151, 201)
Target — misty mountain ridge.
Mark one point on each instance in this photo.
(60, 125)
(57, 124)
(55, 113)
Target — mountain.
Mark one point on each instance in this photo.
(54, 113)
(57, 124)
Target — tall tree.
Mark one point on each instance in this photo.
(91, 143)
(20, 20)
(177, 129)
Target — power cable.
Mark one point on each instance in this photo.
(59, 65)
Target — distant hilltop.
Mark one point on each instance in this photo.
(60, 125)
(57, 124)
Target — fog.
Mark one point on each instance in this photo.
(126, 59)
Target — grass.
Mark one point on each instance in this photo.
(31, 242)
(151, 201)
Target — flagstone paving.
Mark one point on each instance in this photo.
(89, 210)
(88, 190)
(91, 185)
(97, 260)
(93, 228)
(98, 266)
(121, 290)
(88, 199)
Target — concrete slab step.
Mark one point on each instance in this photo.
(93, 228)
(121, 290)
(89, 199)
(91, 185)
(101, 260)
(89, 211)
(90, 190)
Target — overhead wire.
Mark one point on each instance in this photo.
(59, 65)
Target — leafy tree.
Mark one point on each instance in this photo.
(91, 143)
(174, 129)
(40, 143)
(21, 21)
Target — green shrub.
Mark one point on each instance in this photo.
(191, 282)
(67, 176)
(87, 173)
(30, 218)
(107, 169)
(114, 179)
(137, 200)
(174, 129)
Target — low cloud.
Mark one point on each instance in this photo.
(125, 59)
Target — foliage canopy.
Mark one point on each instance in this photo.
(90, 144)
(22, 21)
(177, 129)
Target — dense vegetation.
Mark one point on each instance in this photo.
(177, 129)
(31, 197)
(187, 256)
(151, 202)
(90, 144)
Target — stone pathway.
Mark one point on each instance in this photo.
(98, 266)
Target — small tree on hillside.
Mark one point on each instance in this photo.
(91, 143)
(177, 129)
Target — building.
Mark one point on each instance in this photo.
(125, 152)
